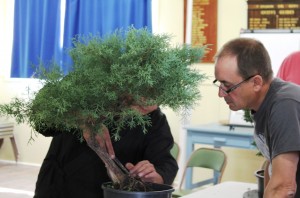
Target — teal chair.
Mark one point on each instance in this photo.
(175, 151)
(203, 158)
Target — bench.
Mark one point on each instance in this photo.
(6, 131)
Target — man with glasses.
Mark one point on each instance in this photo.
(245, 80)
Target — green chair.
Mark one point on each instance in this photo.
(175, 151)
(203, 158)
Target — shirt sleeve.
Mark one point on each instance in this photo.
(284, 127)
(159, 143)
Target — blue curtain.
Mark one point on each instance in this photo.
(36, 35)
(102, 17)
(37, 27)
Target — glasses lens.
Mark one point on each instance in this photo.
(217, 83)
(220, 86)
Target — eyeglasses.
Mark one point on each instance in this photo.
(219, 85)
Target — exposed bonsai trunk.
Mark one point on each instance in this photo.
(114, 172)
(120, 179)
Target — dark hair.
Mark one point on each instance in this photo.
(251, 55)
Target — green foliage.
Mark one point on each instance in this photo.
(247, 115)
(247, 118)
(109, 75)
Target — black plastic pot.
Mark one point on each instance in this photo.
(159, 191)
(260, 182)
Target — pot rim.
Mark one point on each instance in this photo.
(168, 189)
(259, 173)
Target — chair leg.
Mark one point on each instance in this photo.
(1, 142)
(14, 145)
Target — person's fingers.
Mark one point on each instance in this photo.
(153, 177)
(150, 175)
(141, 168)
(145, 169)
(86, 135)
(130, 166)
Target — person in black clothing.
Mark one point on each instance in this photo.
(72, 169)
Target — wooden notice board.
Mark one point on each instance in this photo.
(276, 14)
(204, 26)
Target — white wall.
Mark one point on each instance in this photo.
(232, 16)
(30, 151)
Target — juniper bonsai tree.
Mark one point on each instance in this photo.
(109, 75)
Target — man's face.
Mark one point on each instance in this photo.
(226, 72)
(144, 109)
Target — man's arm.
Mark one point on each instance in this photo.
(266, 173)
(282, 183)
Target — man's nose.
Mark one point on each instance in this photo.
(221, 93)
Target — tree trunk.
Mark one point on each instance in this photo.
(114, 172)
(120, 179)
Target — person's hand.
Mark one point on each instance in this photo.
(145, 171)
(102, 140)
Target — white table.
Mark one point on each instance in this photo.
(225, 189)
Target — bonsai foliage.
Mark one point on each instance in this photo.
(109, 75)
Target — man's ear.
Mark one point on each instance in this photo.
(257, 82)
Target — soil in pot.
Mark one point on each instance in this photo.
(260, 182)
(157, 191)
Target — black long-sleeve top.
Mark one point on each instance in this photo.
(71, 169)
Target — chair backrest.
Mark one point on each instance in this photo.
(208, 158)
(6, 130)
(175, 151)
